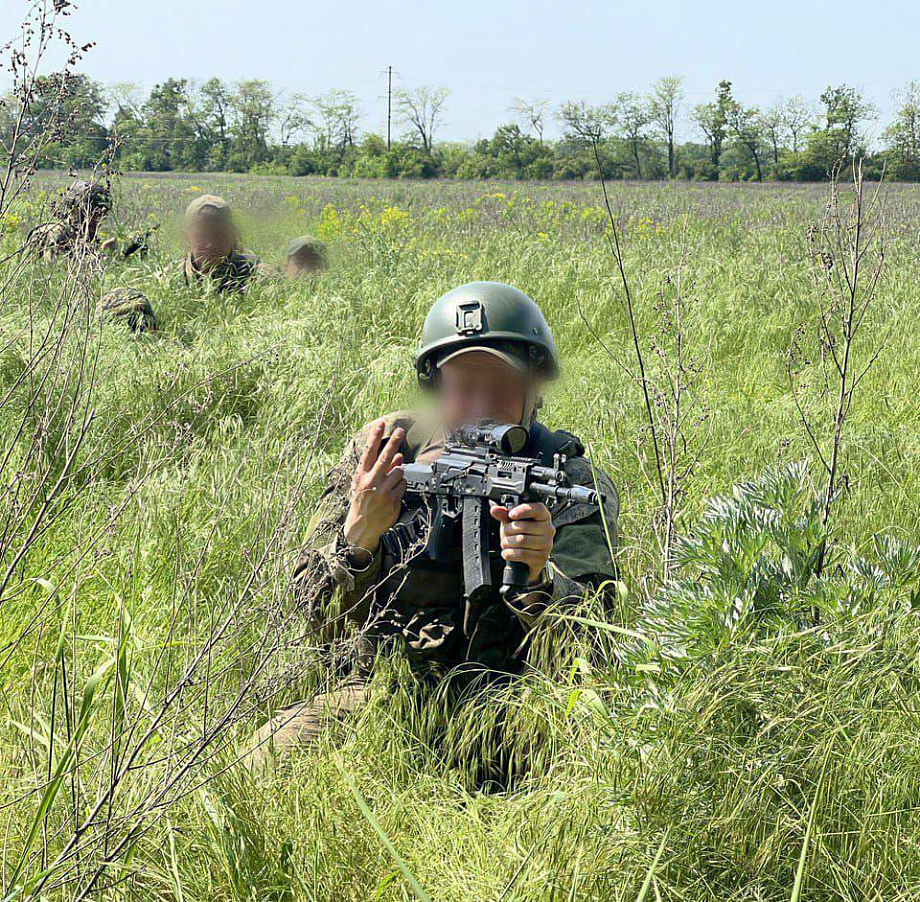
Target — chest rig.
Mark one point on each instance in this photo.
(426, 546)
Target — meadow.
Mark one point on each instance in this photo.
(742, 725)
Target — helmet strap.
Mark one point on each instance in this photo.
(533, 401)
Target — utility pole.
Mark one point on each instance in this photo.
(389, 103)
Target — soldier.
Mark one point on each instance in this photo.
(486, 353)
(129, 306)
(79, 213)
(214, 254)
(304, 256)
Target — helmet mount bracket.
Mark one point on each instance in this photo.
(469, 318)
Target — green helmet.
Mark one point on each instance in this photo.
(82, 194)
(489, 315)
(129, 306)
(306, 246)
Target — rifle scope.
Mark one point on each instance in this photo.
(507, 439)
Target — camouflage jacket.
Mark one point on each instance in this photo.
(420, 603)
(231, 276)
(57, 239)
(54, 239)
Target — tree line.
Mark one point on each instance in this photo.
(247, 126)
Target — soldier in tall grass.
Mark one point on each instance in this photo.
(305, 256)
(215, 257)
(129, 307)
(77, 217)
(486, 354)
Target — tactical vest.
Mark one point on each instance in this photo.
(421, 598)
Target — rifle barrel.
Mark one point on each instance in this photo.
(577, 494)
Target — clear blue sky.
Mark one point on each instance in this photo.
(486, 53)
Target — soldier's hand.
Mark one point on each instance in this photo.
(527, 535)
(377, 489)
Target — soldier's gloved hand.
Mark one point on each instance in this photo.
(527, 535)
(377, 489)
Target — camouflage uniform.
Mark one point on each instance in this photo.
(229, 277)
(417, 606)
(51, 240)
(71, 228)
(130, 307)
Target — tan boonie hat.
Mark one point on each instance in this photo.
(509, 352)
(208, 206)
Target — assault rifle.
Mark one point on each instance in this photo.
(479, 465)
(140, 244)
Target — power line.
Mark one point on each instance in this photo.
(389, 104)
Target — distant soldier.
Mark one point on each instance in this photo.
(78, 215)
(304, 256)
(214, 253)
(128, 306)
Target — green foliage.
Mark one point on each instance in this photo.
(245, 127)
(69, 107)
(839, 141)
(748, 561)
(743, 730)
(903, 136)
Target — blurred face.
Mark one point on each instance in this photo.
(210, 241)
(298, 265)
(480, 386)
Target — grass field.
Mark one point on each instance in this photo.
(745, 730)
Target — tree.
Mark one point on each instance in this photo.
(127, 126)
(510, 153)
(167, 138)
(214, 108)
(773, 128)
(902, 137)
(633, 116)
(798, 117)
(582, 122)
(72, 108)
(254, 113)
(838, 140)
(746, 125)
(845, 110)
(421, 111)
(126, 97)
(712, 120)
(293, 119)
(665, 103)
(335, 117)
(531, 115)
(587, 127)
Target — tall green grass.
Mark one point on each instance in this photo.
(707, 740)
